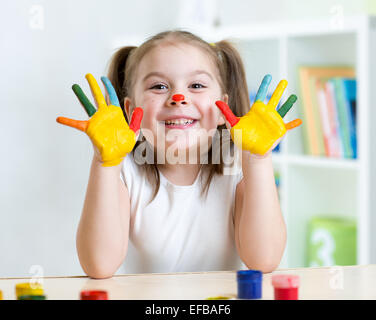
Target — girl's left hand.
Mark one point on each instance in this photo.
(262, 128)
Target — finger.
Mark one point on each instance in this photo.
(226, 111)
(293, 124)
(85, 102)
(96, 91)
(287, 105)
(136, 119)
(77, 124)
(277, 94)
(111, 91)
(263, 90)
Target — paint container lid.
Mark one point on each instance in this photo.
(94, 295)
(27, 289)
(285, 281)
(32, 297)
(249, 275)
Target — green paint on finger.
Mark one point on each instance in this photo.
(89, 108)
(287, 105)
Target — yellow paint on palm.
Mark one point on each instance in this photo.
(258, 129)
(111, 134)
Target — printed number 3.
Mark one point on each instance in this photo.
(326, 250)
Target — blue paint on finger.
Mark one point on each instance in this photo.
(111, 91)
(263, 90)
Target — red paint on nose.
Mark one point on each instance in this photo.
(178, 97)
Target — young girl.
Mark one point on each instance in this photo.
(164, 213)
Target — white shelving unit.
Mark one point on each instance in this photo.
(315, 185)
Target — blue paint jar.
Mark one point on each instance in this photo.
(249, 284)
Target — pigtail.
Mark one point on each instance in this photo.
(235, 78)
(116, 73)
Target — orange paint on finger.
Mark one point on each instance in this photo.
(293, 124)
(77, 124)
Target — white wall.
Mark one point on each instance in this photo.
(44, 166)
(242, 11)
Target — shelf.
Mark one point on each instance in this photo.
(311, 185)
(316, 162)
(257, 31)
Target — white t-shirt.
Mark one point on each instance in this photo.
(179, 231)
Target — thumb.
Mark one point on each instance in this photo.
(227, 112)
(136, 119)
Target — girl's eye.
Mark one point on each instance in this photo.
(159, 86)
(197, 86)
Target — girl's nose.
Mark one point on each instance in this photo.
(178, 98)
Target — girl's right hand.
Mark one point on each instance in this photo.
(107, 128)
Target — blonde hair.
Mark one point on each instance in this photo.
(232, 80)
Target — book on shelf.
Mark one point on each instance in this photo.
(328, 108)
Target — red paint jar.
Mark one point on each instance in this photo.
(94, 295)
(285, 286)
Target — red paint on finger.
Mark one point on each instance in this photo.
(136, 119)
(226, 111)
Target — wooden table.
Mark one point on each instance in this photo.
(354, 282)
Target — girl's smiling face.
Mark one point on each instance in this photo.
(177, 69)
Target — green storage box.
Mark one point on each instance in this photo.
(331, 241)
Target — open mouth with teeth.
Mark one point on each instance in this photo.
(180, 123)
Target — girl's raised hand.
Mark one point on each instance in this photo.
(262, 127)
(107, 128)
